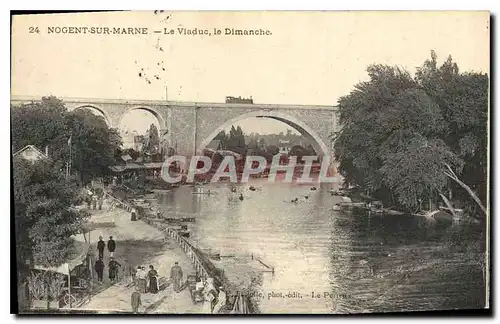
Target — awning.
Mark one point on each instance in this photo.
(67, 267)
(135, 166)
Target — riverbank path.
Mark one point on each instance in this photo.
(137, 244)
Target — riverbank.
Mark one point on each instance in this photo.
(235, 282)
(137, 244)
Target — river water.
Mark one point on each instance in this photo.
(328, 261)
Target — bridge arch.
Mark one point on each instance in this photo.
(96, 108)
(161, 119)
(318, 143)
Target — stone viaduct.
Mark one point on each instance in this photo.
(188, 127)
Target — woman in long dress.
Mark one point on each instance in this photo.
(153, 280)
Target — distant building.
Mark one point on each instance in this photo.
(139, 141)
(32, 154)
(230, 99)
(284, 146)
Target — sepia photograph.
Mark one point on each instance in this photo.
(250, 162)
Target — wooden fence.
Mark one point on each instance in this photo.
(118, 202)
(189, 251)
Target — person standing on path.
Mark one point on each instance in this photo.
(176, 277)
(111, 246)
(99, 269)
(113, 269)
(136, 301)
(132, 275)
(141, 280)
(153, 280)
(100, 247)
(133, 215)
(94, 202)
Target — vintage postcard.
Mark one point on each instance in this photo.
(250, 162)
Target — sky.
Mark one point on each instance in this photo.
(309, 58)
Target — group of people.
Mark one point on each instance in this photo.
(146, 281)
(113, 264)
(213, 299)
(94, 198)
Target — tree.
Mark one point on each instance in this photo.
(153, 140)
(463, 99)
(384, 119)
(49, 123)
(44, 218)
(94, 144)
(223, 138)
(399, 133)
(236, 140)
(416, 173)
(41, 124)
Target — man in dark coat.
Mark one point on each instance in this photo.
(100, 247)
(99, 269)
(113, 269)
(111, 246)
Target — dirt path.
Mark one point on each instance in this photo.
(137, 244)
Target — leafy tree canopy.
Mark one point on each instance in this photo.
(44, 218)
(399, 131)
(48, 123)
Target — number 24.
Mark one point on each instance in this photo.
(33, 30)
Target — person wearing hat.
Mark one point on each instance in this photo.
(100, 247)
(176, 277)
(99, 269)
(221, 301)
(153, 280)
(111, 246)
(142, 283)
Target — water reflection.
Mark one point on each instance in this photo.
(354, 262)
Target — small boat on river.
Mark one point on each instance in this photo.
(201, 191)
(393, 212)
(160, 190)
